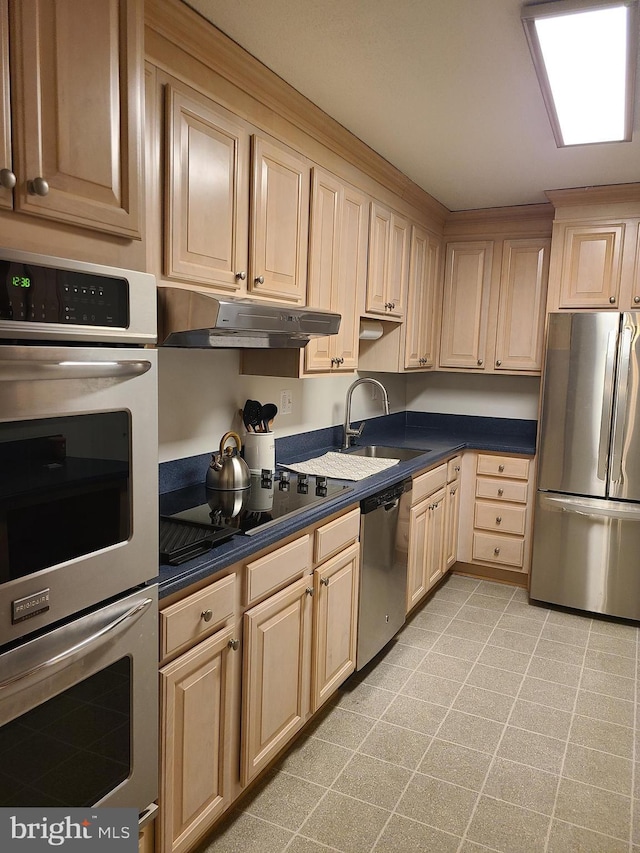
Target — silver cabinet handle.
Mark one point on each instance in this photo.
(309, 590)
(7, 179)
(496, 551)
(241, 276)
(498, 363)
(207, 615)
(479, 362)
(500, 492)
(259, 279)
(636, 299)
(607, 405)
(21, 371)
(68, 656)
(324, 581)
(457, 469)
(498, 519)
(38, 186)
(620, 413)
(501, 468)
(234, 644)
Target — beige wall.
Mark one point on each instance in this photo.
(469, 394)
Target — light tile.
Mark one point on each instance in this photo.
(624, 646)
(541, 718)
(473, 732)
(315, 760)
(417, 637)
(431, 688)
(402, 835)
(450, 594)
(415, 714)
(598, 768)
(444, 666)
(457, 764)
(605, 708)
(597, 734)
(429, 621)
(548, 693)
(488, 602)
(460, 582)
(611, 628)
(305, 845)
(468, 630)
(554, 670)
(572, 620)
(520, 624)
(484, 703)
(400, 654)
(342, 727)
(566, 838)
(498, 590)
(374, 781)
(574, 635)
(508, 828)
(560, 652)
(243, 833)
(479, 615)
(527, 611)
(284, 800)
(364, 699)
(524, 643)
(387, 677)
(491, 678)
(442, 607)
(608, 684)
(593, 808)
(458, 648)
(536, 750)
(504, 659)
(344, 823)
(395, 744)
(437, 803)
(522, 786)
(614, 664)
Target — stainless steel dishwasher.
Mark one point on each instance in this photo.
(384, 538)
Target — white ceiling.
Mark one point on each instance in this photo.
(443, 89)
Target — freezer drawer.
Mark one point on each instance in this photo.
(586, 554)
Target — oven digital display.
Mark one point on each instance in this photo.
(31, 293)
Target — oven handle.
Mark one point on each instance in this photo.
(68, 656)
(20, 371)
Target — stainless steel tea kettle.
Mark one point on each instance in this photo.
(228, 471)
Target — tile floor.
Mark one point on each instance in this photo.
(489, 724)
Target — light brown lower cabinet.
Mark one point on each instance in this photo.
(146, 839)
(195, 770)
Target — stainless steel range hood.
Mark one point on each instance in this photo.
(190, 318)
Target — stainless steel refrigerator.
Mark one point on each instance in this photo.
(586, 544)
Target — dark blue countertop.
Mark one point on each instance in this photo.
(440, 436)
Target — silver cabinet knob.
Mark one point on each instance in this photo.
(234, 644)
(309, 590)
(612, 300)
(636, 299)
(241, 276)
(259, 279)
(501, 468)
(457, 469)
(207, 615)
(7, 179)
(479, 362)
(324, 581)
(498, 519)
(393, 305)
(496, 551)
(38, 186)
(500, 492)
(498, 363)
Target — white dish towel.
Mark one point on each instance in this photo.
(342, 466)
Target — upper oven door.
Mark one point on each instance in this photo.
(78, 483)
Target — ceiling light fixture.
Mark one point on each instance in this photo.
(584, 53)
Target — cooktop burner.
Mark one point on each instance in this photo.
(269, 499)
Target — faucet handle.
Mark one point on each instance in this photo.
(358, 432)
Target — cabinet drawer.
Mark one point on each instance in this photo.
(499, 517)
(501, 490)
(333, 537)
(276, 569)
(426, 484)
(453, 469)
(503, 466)
(503, 550)
(194, 617)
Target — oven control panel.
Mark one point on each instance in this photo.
(33, 293)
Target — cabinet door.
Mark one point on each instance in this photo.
(6, 192)
(279, 222)
(77, 111)
(207, 193)
(417, 565)
(420, 319)
(275, 700)
(398, 276)
(351, 281)
(591, 265)
(378, 268)
(521, 312)
(324, 243)
(435, 538)
(465, 306)
(335, 585)
(451, 513)
(196, 695)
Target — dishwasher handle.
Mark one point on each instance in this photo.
(387, 498)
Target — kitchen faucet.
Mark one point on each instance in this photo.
(350, 433)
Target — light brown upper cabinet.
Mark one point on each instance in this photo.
(76, 109)
(493, 305)
(7, 177)
(279, 222)
(388, 272)
(207, 193)
(419, 351)
(337, 268)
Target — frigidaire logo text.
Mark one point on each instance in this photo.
(58, 832)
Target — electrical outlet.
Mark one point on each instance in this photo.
(286, 403)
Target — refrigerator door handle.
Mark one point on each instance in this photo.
(620, 414)
(607, 405)
(593, 508)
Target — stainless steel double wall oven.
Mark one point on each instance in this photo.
(78, 534)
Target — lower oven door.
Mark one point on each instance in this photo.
(78, 711)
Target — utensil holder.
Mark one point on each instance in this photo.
(260, 451)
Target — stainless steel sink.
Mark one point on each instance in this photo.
(379, 451)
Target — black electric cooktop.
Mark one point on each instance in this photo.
(269, 499)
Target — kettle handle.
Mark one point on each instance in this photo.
(223, 440)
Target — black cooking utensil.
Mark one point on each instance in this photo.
(252, 415)
(269, 411)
